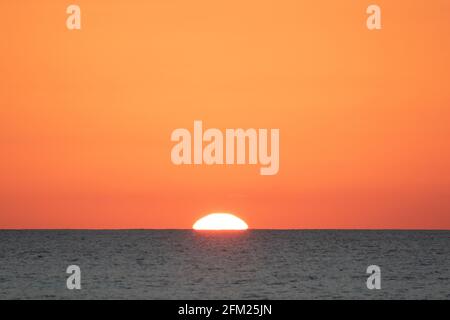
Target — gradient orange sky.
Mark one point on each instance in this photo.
(86, 116)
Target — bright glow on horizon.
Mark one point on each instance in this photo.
(220, 221)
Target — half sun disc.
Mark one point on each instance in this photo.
(220, 221)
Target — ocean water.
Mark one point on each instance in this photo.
(253, 264)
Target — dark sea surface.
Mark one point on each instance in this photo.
(253, 264)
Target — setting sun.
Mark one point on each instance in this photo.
(220, 221)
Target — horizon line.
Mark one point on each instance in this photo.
(249, 229)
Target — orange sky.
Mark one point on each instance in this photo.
(86, 116)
